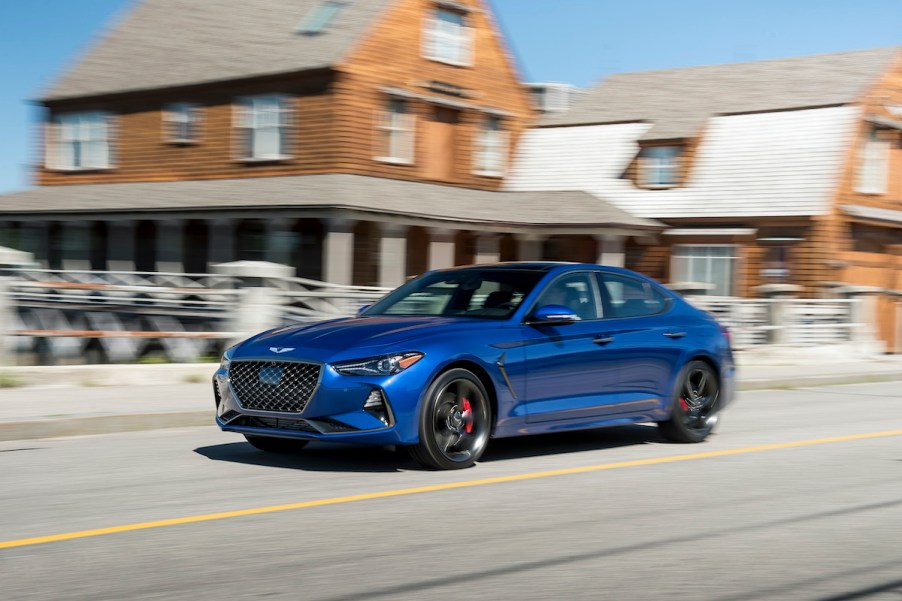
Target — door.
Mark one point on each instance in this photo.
(571, 371)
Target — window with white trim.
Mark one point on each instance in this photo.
(491, 147)
(660, 166)
(396, 129)
(181, 122)
(873, 164)
(263, 125)
(448, 39)
(709, 264)
(79, 141)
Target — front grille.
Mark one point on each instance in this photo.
(278, 386)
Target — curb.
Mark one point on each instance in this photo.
(59, 427)
(102, 424)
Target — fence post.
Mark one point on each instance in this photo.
(864, 317)
(9, 259)
(780, 296)
(258, 308)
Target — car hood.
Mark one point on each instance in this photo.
(353, 337)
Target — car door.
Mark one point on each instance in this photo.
(648, 343)
(571, 374)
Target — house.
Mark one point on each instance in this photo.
(769, 174)
(361, 141)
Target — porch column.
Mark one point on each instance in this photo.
(77, 245)
(610, 250)
(170, 246)
(392, 255)
(221, 238)
(441, 248)
(280, 240)
(488, 249)
(120, 251)
(338, 251)
(529, 247)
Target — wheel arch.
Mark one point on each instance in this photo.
(483, 375)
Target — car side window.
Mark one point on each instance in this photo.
(630, 297)
(574, 291)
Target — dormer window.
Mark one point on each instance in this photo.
(320, 17)
(448, 39)
(660, 166)
(180, 123)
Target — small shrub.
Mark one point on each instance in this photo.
(8, 380)
(194, 379)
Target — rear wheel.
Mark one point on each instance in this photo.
(275, 445)
(455, 422)
(695, 405)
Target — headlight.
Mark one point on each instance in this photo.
(226, 360)
(388, 365)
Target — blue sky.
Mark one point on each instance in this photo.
(575, 41)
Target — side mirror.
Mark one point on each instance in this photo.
(553, 315)
(361, 310)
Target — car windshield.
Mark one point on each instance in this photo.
(476, 293)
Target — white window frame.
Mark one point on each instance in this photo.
(873, 164)
(447, 42)
(181, 123)
(396, 133)
(691, 273)
(661, 166)
(490, 154)
(80, 141)
(253, 116)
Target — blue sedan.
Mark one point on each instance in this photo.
(456, 357)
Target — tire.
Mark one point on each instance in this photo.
(455, 422)
(275, 445)
(695, 405)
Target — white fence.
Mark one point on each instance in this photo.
(88, 316)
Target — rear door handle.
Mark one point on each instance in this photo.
(675, 334)
(604, 340)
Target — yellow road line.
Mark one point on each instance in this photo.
(25, 542)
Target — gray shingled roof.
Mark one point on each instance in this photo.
(680, 101)
(333, 191)
(163, 43)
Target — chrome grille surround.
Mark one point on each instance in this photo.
(274, 386)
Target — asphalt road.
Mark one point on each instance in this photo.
(742, 516)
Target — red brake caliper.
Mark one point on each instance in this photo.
(684, 404)
(467, 415)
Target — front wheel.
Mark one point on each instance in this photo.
(695, 405)
(455, 422)
(275, 445)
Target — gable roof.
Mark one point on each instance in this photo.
(417, 200)
(784, 163)
(679, 101)
(167, 43)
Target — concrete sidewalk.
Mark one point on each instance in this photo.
(71, 401)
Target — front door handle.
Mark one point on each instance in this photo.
(604, 340)
(675, 334)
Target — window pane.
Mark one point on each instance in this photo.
(574, 292)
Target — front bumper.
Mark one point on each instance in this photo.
(334, 413)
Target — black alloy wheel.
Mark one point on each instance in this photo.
(275, 445)
(695, 405)
(455, 422)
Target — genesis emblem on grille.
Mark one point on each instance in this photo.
(277, 386)
(279, 350)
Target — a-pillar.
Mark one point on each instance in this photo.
(392, 255)
(610, 250)
(441, 249)
(280, 240)
(221, 240)
(120, 250)
(77, 245)
(530, 247)
(338, 251)
(170, 246)
(488, 249)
